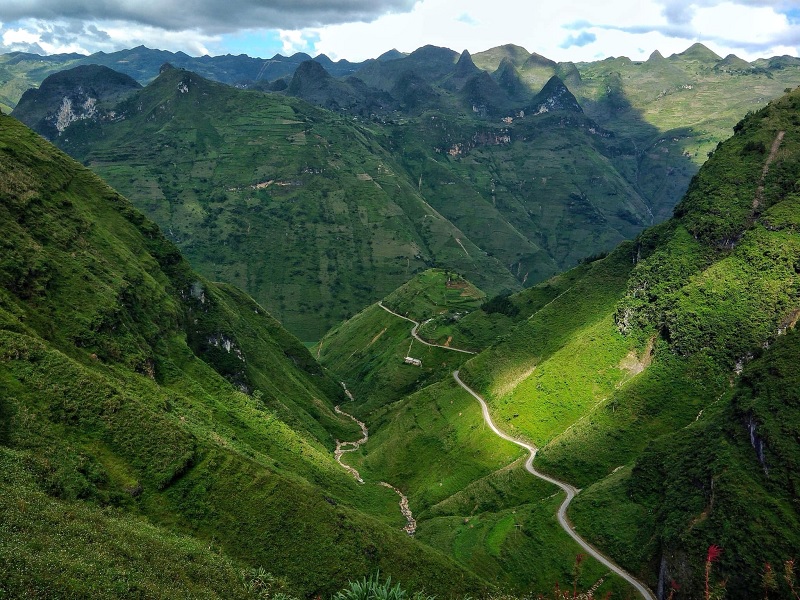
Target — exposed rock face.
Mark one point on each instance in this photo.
(68, 114)
(554, 97)
(309, 77)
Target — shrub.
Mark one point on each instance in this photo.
(373, 589)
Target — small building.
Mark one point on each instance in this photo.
(413, 361)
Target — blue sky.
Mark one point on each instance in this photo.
(578, 30)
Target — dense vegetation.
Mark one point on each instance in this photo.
(159, 433)
(163, 434)
(302, 208)
(505, 167)
(710, 290)
(657, 379)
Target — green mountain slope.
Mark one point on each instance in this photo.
(609, 367)
(304, 209)
(657, 379)
(530, 169)
(316, 215)
(164, 429)
(471, 496)
(86, 92)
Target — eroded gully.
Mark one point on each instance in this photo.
(344, 447)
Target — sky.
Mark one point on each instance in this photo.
(576, 30)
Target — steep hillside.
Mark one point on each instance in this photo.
(598, 376)
(86, 92)
(508, 175)
(303, 208)
(469, 491)
(656, 379)
(368, 350)
(505, 204)
(160, 433)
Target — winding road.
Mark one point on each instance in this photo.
(568, 489)
(341, 447)
(415, 335)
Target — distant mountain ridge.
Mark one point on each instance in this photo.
(538, 164)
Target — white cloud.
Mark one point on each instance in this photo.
(55, 37)
(729, 21)
(294, 41)
(539, 27)
(190, 41)
(633, 28)
(208, 16)
(19, 36)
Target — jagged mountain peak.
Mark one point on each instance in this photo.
(568, 73)
(698, 52)
(516, 54)
(555, 96)
(489, 60)
(310, 77)
(310, 70)
(464, 70)
(508, 79)
(465, 67)
(482, 93)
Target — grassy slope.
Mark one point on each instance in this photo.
(298, 206)
(710, 288)
(690, 103)
(367, 351)
(540, 193)
(473, 491)
(676, 109)
(622, 371)
(108, 417)
(723, 313)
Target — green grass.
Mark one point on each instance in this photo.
(135, 391)
(434, 292)
(51, 548)
(473, 484)
(302, 208)
(582, 306)
(661, 379)
(368, 351)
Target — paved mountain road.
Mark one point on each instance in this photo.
(415, 335)
(568, 489)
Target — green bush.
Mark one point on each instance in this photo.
(373, 589)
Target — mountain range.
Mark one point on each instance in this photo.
(162, 435)
(504, 166)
